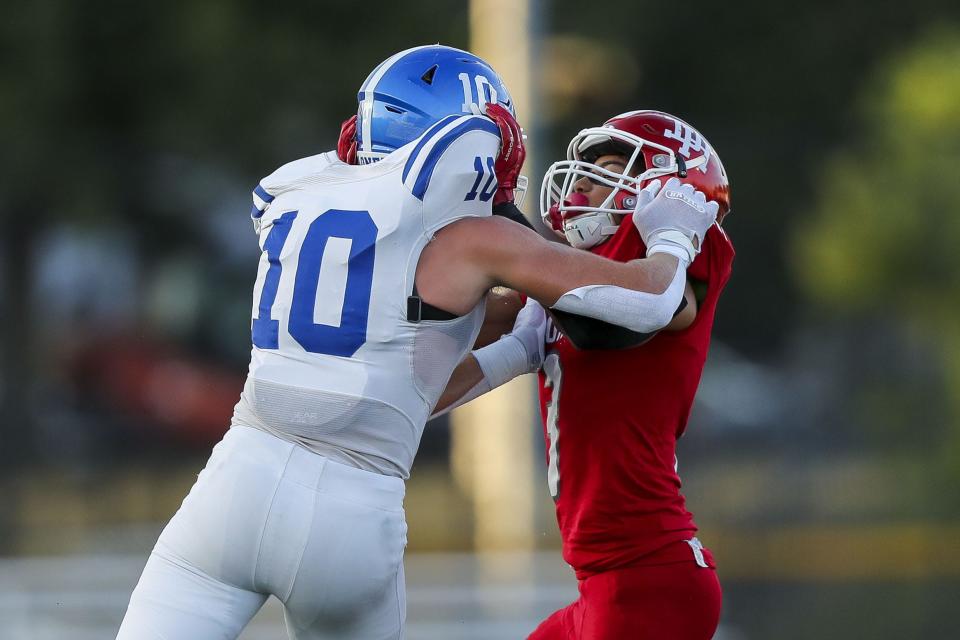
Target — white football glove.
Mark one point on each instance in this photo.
(530, 328)
(520, 351)
(673, 219)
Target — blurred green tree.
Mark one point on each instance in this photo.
(882, 238)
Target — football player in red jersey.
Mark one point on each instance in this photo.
(614, 401)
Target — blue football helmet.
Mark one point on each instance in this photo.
(413, 89)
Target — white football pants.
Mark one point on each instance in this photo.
(267, 517)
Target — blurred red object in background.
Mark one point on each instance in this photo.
(170, 394)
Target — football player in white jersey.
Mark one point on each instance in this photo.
(375, 267)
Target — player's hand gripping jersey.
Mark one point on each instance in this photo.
(619, 413)
(336, 365)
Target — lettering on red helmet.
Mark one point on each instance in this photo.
(690, 140)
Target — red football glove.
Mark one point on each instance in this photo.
(347, 144)
(555, 219)
(512, 153)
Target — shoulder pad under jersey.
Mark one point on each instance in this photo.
(454, 156)
(287, 178)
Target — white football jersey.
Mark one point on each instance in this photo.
(336, 365)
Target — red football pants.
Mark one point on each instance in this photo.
(678, 601)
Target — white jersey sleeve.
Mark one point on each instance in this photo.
(450, 170)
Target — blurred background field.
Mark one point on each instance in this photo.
(823, 457)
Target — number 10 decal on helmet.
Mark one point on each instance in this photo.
(486, 93)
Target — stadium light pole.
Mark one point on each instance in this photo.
(492, 437)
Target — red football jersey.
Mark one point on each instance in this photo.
(612, 419)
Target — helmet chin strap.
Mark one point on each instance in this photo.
(589, 230)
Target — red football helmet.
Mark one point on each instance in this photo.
(655, 144)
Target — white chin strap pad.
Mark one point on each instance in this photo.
(636, 310)
(589, 230)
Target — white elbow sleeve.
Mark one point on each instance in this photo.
(635, 310)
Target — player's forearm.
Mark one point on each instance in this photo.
(641, 311)
(647, 275)
(523, 261)
(485, 369)
(652, 275)
(641, 295)
(466, 378)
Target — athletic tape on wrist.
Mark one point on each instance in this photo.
(503, 360)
